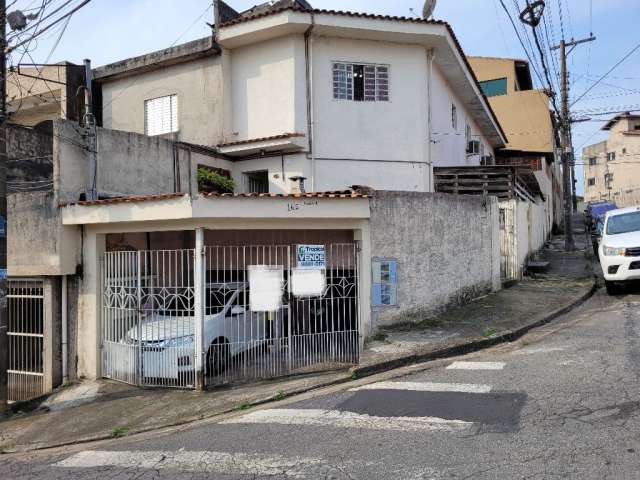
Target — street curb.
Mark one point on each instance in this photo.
(353, 373)
(472, 346)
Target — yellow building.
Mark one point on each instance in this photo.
(525, 116)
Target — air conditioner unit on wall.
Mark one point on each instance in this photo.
(473, 147)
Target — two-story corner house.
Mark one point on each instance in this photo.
(524, 113)
(611, 167)
(296, 98)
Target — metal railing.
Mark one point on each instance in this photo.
(148, 318)
(154, 332)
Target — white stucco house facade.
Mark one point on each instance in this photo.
(334, 98)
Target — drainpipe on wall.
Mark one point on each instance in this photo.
(430, 186)
(308, 59)
(65, 330)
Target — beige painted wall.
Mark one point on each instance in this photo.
(624, 189)
(31, 101)
(526, 120)
(198, 85)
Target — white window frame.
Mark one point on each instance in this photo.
(343, 88)
(166, 108)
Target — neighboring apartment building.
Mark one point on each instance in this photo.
(612, 167)
(39, 93)
(525, 115)
(353, 99)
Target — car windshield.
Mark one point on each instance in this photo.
(221, 296)
(625, 223)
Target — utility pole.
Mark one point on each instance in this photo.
(565, 140)
(4, 319)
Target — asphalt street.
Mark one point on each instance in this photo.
(564, 402)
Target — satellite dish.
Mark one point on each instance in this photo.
(429, 7)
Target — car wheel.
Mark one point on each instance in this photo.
(218, 356)
(612, 288)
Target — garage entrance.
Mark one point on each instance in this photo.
(242, 312)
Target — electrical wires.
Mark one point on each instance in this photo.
(531, 62)
(595, 84)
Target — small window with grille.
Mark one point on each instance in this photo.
(161, 115)
(257, 182)
(361, 82)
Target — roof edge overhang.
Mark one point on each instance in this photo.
(203, 47)
(184, 208)
(431, 34)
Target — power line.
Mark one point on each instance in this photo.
(136, 80)
(55, 22)
(531, 62)
(561, 19)
(631, 52)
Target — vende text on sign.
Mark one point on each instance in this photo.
(311, 257)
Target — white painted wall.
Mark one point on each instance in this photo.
(267, 89)
(393, 131)
(449, 143)
(531, 229)
(383, 145)
(198, 85)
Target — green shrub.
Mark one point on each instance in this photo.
(211, 181)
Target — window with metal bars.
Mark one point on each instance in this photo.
(361, 82)
(161, 115)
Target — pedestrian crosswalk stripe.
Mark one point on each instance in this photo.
(532, 351)
(476, 366)
(425, 387)
(197, 461)
(236, 464)
(340, 419)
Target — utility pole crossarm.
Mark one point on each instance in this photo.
(574, 43)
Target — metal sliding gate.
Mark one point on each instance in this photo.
(262, 315)
(148, 318)
(25, 310)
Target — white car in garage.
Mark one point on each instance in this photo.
(230, 328)
(620, 247)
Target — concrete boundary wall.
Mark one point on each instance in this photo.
(447, 248)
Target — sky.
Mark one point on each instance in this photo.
(110, 30)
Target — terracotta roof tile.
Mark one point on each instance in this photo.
(262, 139)
(130, 199)
(339, 194)
(170, 196)
(247, 18)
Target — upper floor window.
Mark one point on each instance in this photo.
(593, 161)
(257, 182)
(454, 117)
(161, 115)
(591, 182)
(611, 156)
(493, 88)
(361, 82)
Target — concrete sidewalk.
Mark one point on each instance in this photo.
(104, 409)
